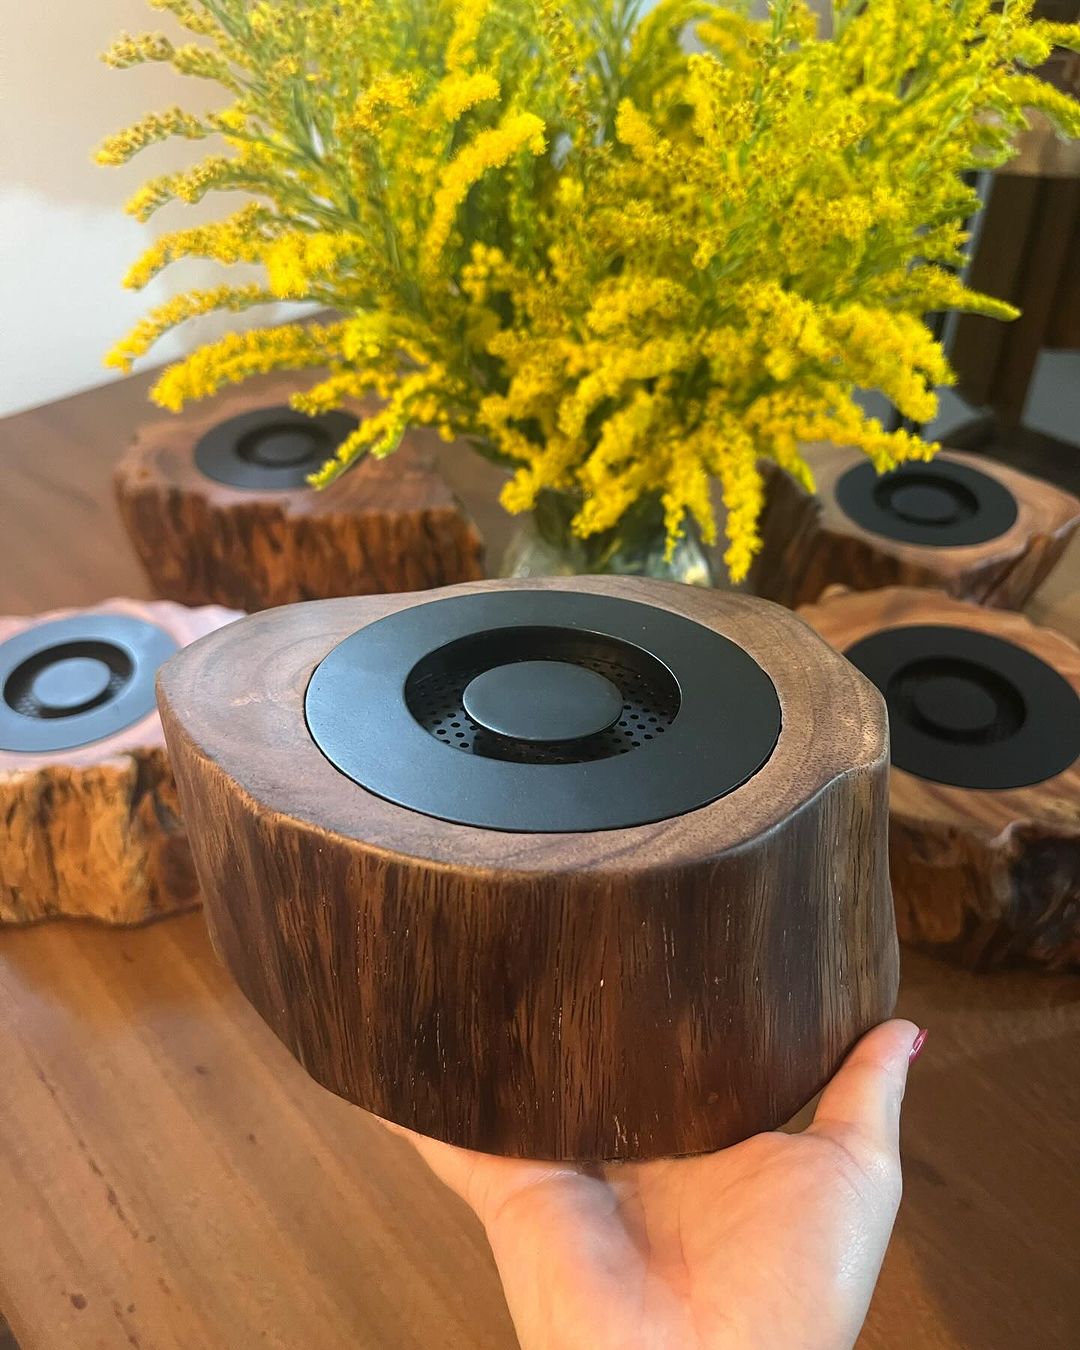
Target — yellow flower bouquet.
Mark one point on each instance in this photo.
(623, 250)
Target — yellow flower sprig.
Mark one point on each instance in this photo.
(129, 51)
(628, 266)
(153, 127)
(238, 356)
(178, 310)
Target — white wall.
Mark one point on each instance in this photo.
(65, 241)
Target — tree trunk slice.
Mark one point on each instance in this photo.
(810, 543)
(662, 989)
(386, 525)
(95, 831)
(985, 878)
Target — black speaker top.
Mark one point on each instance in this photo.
(271, 449)
(941, 504)
(969, 709)
(72, 681)
(543, 711)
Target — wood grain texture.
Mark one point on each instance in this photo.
(95, 831)
(810, 543)
(490, 988)
(171, 1179)
(324, 1233)
(987, 878)
(390, 525)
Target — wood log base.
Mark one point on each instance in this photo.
(614, 989)
(389, 525)
(986, 877)
(94, 831)
(812, 542)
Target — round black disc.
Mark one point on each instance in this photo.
(645, 715)
(969, 709)
(941, 504)
(542, 701)
(271, 449)
(72, 681)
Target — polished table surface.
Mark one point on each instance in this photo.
(170, 1178)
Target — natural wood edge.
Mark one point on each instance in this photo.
(985, 878)
(340, 914)
(844, 617)
(385, 526)
(272, 712)
(359, 878)
(1013, 900)
(809, 542)
(95, 831)
(104, 842)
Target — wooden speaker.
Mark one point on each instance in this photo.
(219, 511)
(567, 868)
(960, 523)
(984, 835)
(92, 824)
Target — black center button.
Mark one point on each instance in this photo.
(543, 701)
(282, 447)
(924, 503)
(944, 504)
(68, 686)
(954, 707)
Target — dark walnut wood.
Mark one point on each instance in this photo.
(664, 989)
(986, 878)
(386, 525)
(810, 543)
(95, 831)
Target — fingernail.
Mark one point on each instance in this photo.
(916, 1049)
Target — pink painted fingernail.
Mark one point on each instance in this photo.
(916, 1049)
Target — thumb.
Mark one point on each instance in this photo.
(862, 1103)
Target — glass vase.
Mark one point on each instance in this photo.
(543, 545)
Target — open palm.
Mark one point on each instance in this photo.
(776, 1242)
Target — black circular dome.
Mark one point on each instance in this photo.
(72, 681)
(271, 449)
(941, 504)
(543, 711)
(541, 702)
(969, 709)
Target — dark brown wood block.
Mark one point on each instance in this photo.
(984, 877)
(386, 525)
(810, 542)
(95, 831)
(626, 993)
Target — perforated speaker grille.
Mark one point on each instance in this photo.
(585, 711)
(435, 691)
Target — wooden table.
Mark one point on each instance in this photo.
(170, 1178)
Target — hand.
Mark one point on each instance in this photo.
(774, 1243)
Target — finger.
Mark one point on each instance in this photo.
(864, 1096)
(453, 1166)
(482, 1180)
